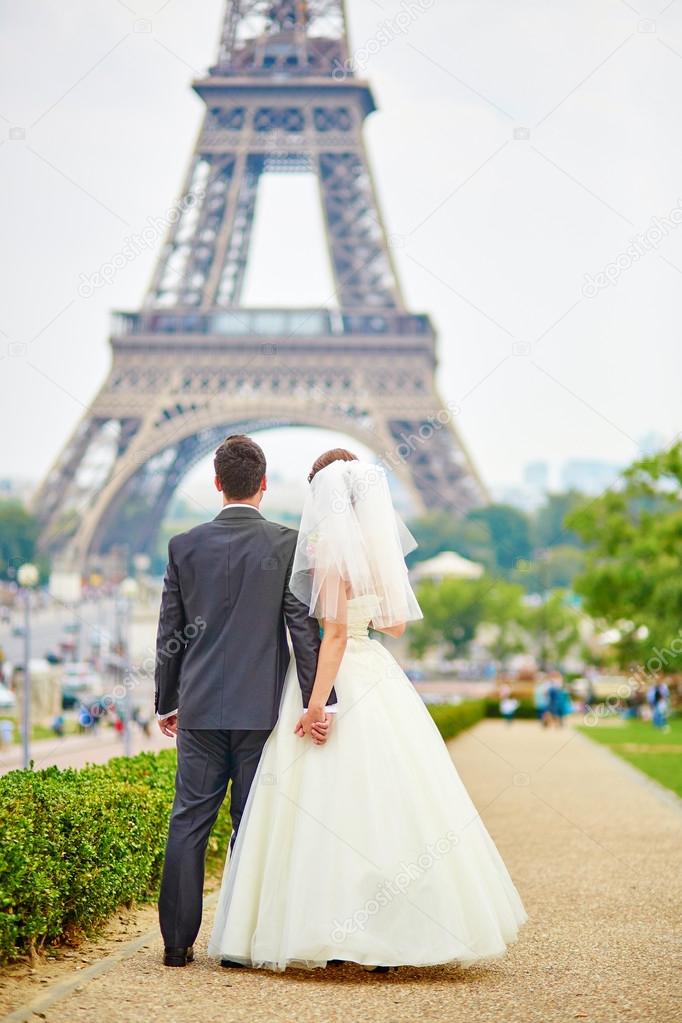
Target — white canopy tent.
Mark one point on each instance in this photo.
(447, 565)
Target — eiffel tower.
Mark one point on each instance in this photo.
(195, 364)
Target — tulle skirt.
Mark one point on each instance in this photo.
(367, 849)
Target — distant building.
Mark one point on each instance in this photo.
(652, 442)
(14, 489)
(536, 475)
(589, 476)
(526, 496)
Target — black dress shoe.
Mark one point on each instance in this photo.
(178, 956)
(229, 964)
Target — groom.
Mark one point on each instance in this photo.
(221, 660)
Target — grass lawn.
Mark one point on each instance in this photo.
(656, 753)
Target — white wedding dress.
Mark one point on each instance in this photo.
(367, 849)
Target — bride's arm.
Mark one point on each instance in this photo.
(391, 630)
(332, 649)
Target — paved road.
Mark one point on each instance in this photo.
(79, 750)
(48, 627)
(595, 852)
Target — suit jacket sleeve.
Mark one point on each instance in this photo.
(170, 641)
(305, 639)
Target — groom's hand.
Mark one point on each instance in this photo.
(169, 726)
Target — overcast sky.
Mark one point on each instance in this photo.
(519, 146)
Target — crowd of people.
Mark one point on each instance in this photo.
(553, 701)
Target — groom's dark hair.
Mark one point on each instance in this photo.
(240, 466)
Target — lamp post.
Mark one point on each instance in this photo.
(128, 590)
(27, 577)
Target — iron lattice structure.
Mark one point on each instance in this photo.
(194, 364)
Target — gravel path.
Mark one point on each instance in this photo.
(595, 853)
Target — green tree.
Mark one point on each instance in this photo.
(441, 531)
(509, 530)
(551, 568)
(455, 608)
(549, 528)
(633, 574)
(552, 625)
(18, 534)
(505, 614)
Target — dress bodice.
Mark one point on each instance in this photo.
(360, 611)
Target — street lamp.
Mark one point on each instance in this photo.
(128, 591)
(27, 577)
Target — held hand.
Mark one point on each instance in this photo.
(169, 726)
(320, 730)
(313, 723)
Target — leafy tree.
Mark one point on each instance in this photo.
(633, 575)
(18, 533)
(552, 568)
(549, 527)
(505, 613)
(553, 626)
(455, 608)
(509, 532)
(440, 531)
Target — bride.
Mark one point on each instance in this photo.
(366, 848)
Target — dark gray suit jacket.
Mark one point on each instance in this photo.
(221, 648)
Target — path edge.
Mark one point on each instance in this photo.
(63, 988)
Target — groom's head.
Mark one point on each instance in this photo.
(240, 467)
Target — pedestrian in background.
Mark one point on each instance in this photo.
(6, 732)
(558, 698)
(541, 701)
(657, 698)
(508, 704)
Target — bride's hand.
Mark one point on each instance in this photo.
(320, 730)
(314, 723)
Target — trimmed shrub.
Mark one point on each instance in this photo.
(75, 845)
(451, 719)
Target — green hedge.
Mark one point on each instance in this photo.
(75, 845)
(451, 719)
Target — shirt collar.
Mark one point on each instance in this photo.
(248, 510)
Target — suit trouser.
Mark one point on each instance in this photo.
(207, 761)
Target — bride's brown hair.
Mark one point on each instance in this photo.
(333, 455)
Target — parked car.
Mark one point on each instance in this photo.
(78, 680)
